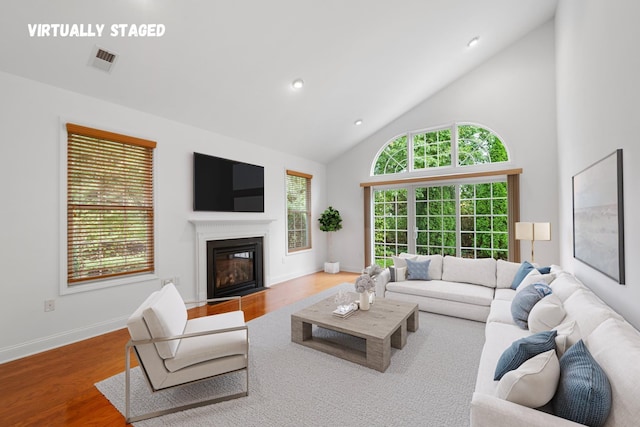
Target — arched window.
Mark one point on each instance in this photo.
(468, 144)
(463, 216)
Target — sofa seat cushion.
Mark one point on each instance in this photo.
(500, 312)
(208, 347)
(504, 294)
(615, 345)
(480, 271)
(499, 337)
(452, 291)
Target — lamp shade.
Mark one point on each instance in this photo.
(541, 231)
(524, 231)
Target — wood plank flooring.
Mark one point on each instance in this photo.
(56, 387)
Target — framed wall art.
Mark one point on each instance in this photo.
(598, 216)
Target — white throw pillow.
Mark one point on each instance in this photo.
(546, 314)
(568, 335)
(535, 277)
(400, 261)
(534, 383)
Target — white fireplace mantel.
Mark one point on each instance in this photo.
(220, 229)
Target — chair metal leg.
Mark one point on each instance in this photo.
(131, 419)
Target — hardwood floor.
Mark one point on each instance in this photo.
(56, 387)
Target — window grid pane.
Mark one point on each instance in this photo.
(483, 221)
(432, 149)
(393, 159)
(436, 220)
(298, 211)
(390, 224)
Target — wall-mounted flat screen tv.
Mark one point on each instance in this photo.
(223, 185)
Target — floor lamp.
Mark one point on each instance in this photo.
(533, 231)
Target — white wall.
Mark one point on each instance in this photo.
(597, 79)
(32, 116)
(513, 94)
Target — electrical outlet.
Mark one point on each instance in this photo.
(49, 305)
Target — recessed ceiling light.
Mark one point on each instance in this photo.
(297, 84)
(358, 122)
(474, 41)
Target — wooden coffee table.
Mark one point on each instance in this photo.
(383, 326)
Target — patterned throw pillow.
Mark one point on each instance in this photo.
(418, 270)
(584, 391)
(524, 349)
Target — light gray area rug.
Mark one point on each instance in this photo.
(429, 383)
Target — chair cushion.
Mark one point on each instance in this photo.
(208, 347)
(137, 327)
(166, 316)
(533, 383)
(584, 392)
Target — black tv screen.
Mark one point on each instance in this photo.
(223, 185)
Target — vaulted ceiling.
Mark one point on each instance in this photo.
(227, 65)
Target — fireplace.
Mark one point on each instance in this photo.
(234, 267)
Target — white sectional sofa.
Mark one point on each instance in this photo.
(573, 311)
(458, 287)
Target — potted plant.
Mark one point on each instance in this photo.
(330, 221)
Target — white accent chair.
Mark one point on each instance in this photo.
(174, 351)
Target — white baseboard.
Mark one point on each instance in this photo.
(39, 345)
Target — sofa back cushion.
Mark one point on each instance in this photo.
(505, 272)
(480, 271)
(587, 310)
(166, 316)
(615, 345)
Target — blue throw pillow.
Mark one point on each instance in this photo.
(544, 270)
(525, 268)
(524, 301)
(584, 391)
(524, 349)
(418, 270)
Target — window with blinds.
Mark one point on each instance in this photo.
(109, 205)
(298, 211)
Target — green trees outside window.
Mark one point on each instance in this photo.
(461, 218)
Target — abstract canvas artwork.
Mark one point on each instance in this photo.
(598, 216)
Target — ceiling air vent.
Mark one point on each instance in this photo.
(102, 59)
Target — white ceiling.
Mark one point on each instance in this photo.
(227, 66)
